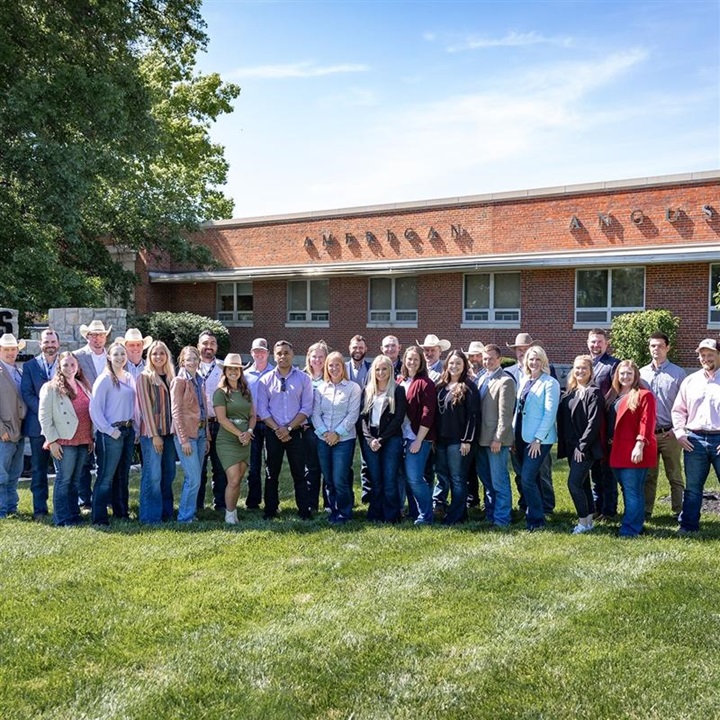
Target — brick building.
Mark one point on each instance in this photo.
(553, 262)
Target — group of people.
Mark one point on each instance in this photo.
(435, 435)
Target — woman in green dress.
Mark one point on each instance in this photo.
(236, 415)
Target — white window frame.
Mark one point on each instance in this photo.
(309, 317)
(713, 311)
(236, 318)
(392, 316)
(610, 311)
(495, 317)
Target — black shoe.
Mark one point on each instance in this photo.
(252, 507)
(270, 515)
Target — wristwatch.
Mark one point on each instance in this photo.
(289, 428)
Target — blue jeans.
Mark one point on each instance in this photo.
(451, 468)
(579, 486)
(632, 482)
(191, 465)
(545, 483)
(697, 468)
(420, 499)
(112, 455)
(67, 480)
(335, 462)
(39, 459)
(530, 479)
(493, 471)
(11, 465)
(255, 486)
(156, 480)
(385, 481)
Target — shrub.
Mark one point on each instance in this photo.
(177, 330)
(630, 332)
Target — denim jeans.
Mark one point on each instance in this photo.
(579, 486)
(219, 479)
(85, 484)
(451, 467)
(632, 482)
(493, 471)
(113, 455)
(697, 468)
(156, 480)
(335, 462)
(11, 465)
(385, 480)
(191, 466)
(295, 451)
(65, 489)
(255, 486)
(529, 477)
(39, 459)
(545, 483)
(420, 499)
(313, 469)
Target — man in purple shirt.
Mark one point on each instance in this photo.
(284, 403)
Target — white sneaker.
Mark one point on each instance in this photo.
(580, 529)
(231, 517)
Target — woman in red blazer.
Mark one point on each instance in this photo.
(633, 448)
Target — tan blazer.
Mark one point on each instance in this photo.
(185, 409)
(496, 411)
(58, 419)
(12, 407)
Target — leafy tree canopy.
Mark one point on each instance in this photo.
(104, 126)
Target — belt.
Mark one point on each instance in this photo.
(123, 423)
(704, 432)
(212, 420)
(659, 430)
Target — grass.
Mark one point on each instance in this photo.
(286, 619)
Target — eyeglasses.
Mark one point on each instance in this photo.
(283, 384)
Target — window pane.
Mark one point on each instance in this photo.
(628, 287)
(477, 291)
(319, 295)
(507, 290)
(226, 297)
(243, 288)
(297, 295)
(244, 303)
(591, 289)
(380, 293)
(714, 281)
(405, 294)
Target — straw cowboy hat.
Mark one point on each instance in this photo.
(475, 348)
(434, 341)
(8, 340)
(134, 335)
(521, 340)
(233, 360)
(96, 326)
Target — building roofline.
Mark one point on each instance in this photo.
(487, 198)
(681, 253)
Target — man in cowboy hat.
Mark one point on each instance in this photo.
(135, 344)
(477, 370)
(12, 412)
(522, 342)
(92, 360)
(475, 358)
(36, 373)
(433, 348)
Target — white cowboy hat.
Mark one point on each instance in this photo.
(134, 335)
(434, 341)
(96, 326)
(8, 340)
(475, 348)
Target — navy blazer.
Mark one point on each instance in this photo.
(33, 379)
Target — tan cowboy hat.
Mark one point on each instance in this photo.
(475, 348)
(434, 341)
(233, 360)
(134, 335)
(8, 340)
(521, 339)
(96, 326)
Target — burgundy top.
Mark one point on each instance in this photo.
(421, 405)
(84, 432)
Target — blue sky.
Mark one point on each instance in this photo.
(357, 103)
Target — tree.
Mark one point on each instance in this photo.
(629, 333)
(104, 128)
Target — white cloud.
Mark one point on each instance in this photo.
(511, 39)
(295, 70)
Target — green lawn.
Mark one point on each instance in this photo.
(287, 619)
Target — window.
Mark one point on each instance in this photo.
(714, 313)
(492, 298)
(600, 295)
(393, 301)
(235, 302)
(308, 301)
